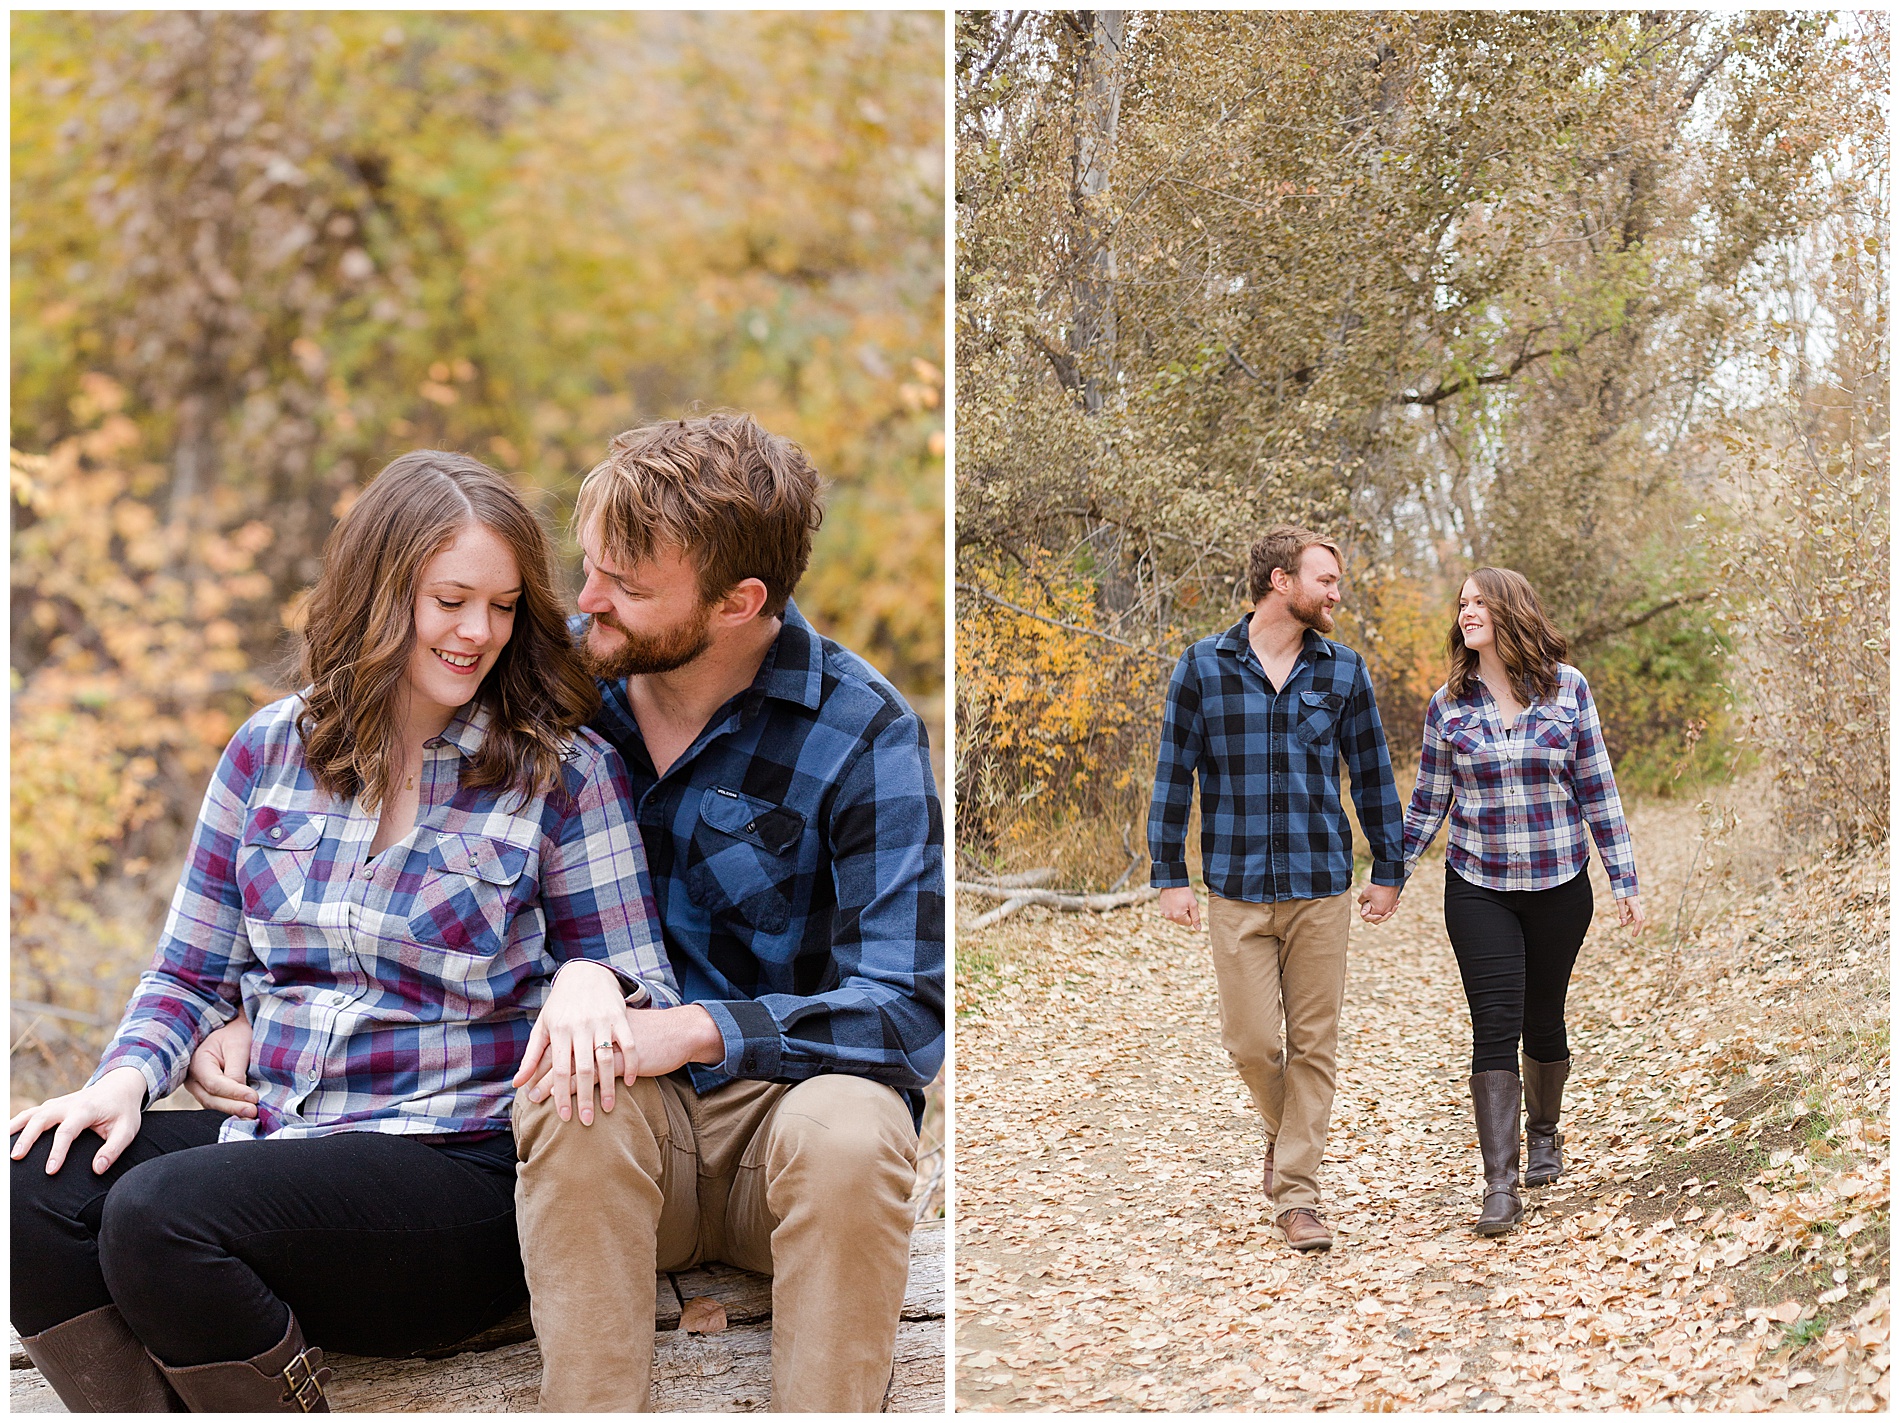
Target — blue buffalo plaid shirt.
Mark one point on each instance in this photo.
(392, 993)
(1272, 826)
(797, 857)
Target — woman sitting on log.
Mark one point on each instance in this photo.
(393, 873)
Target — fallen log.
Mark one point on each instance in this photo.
(499, 1370)
(1015, 898)
(1027, 879)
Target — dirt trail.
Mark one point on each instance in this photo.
(1114, 1251)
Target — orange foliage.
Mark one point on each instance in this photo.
(129, 677)
(1050, 721)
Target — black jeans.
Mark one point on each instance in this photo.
(1515, 951)
(379, 1244)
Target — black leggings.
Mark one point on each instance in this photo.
(1515, 950)
(379, 1244)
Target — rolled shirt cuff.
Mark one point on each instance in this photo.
(637, 992)
(754, 1045)
(1168, 874)
(158, 1083)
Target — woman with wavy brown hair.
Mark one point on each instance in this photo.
(1514, 752)
(417, 879)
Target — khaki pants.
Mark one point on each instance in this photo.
(1276, 966)
(808, 1183)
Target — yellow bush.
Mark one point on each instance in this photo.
(128, 679)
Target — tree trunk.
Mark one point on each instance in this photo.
(1098, 103)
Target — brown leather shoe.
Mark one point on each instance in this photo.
(1266, 1176)
(1303, 1230)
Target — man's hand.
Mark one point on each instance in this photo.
(216, 1077)
(1378, 902)
(1629, 913)
(1180, 905)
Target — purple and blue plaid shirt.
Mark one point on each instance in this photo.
(394, 993)
(1519, 796)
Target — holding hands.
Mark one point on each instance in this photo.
(1378, 902)
(585, 1035)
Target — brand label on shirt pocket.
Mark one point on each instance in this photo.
(467, 893)
(742, 858)
(274, 858)
(1318, 711)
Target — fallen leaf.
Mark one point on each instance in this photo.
(702, 1315)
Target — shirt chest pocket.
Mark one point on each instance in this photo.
(743, 860)
(274, 860)
(471, 887)
(1465, 737)
(1555, 727)
(1317, 718)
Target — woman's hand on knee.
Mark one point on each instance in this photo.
(581, 1031)
(109, 1107)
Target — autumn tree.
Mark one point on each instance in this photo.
(256, 255)
(1461, 287)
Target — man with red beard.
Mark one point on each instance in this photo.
(1262, 714)
(784, 795)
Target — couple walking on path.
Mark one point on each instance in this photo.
(1262, 714)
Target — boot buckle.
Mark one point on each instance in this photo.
(303, 1381)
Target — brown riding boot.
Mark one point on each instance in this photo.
(1495, 1099)
(1543, 1102)
(95, 1363)
(287, 1378)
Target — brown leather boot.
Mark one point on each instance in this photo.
(1543, 1103)
(95, 1363)
(1266, 1176)
(287, 1378)
(1303, 1229)
(1495, 1100)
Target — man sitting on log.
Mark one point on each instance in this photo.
(784, 794)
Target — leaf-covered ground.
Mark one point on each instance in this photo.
(1719, 1242)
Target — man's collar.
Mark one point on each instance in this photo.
(1234, 640)
(794, 666)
